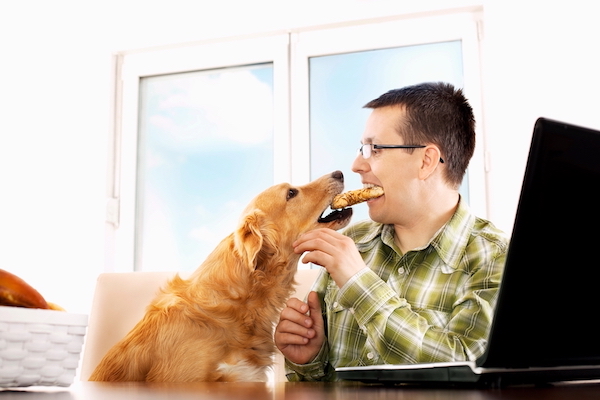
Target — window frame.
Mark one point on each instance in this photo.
(205, 56)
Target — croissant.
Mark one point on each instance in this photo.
(15, 292)
(353, 197)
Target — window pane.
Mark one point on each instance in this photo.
(205, 148)
(341, 84)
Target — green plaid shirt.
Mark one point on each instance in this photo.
(432, 304)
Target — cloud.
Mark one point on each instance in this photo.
(200, 111)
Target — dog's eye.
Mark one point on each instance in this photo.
(291, 193)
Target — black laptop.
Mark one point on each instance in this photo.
(545, 326)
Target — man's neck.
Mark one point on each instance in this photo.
(419, 232)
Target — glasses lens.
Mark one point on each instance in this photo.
(365, 150)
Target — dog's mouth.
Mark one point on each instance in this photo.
(330, 215)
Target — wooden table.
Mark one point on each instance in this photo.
(294, 391)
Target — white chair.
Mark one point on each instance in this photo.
(120, 301)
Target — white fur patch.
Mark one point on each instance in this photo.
(242, 371)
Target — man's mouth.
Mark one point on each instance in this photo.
(330, 215)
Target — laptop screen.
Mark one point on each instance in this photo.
(550, 293)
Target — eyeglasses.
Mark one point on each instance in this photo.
(367, 149)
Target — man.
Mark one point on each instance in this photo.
(419, 282)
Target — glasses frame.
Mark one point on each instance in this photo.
(390, 146)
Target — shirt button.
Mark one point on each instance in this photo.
(351, 310)
(370, 356)
(401, 271)
(336, 304)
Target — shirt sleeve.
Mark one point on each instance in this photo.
(316, 370)
(401, 335)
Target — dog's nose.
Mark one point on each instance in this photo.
(338, 175)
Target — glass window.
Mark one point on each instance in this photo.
(205, 149)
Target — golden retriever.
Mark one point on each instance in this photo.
(218, 324)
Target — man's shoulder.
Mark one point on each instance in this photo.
(478, 230)
(488, 232)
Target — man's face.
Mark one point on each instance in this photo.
(396, 170)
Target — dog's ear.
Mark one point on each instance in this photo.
(248, 238)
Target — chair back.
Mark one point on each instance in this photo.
(120, 301)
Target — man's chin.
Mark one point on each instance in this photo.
(374, 216)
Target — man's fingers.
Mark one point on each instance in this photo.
(298, 305)
(290, 338)
(314, 304)
(286, 327)
(299, 333)
(296, 317)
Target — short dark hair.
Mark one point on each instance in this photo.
(437, 113)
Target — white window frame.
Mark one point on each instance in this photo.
(205, 56)
(289, 52)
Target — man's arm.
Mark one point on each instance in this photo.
(400, 334)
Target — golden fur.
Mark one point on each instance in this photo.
(218, 324)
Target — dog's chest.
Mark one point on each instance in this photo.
(243, 371)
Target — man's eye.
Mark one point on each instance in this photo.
(291, 193)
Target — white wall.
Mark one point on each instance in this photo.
(539, 58)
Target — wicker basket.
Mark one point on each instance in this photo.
(39, 347)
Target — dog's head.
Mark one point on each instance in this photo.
(277, 216)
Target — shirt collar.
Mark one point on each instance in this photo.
(450, 241)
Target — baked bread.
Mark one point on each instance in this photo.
(356, 196)
(15, 292)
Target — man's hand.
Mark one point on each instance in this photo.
(300, 332)
(333, 251)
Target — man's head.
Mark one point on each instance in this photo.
(439, 114)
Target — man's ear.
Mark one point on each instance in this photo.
(248, 238)
(430, 161)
